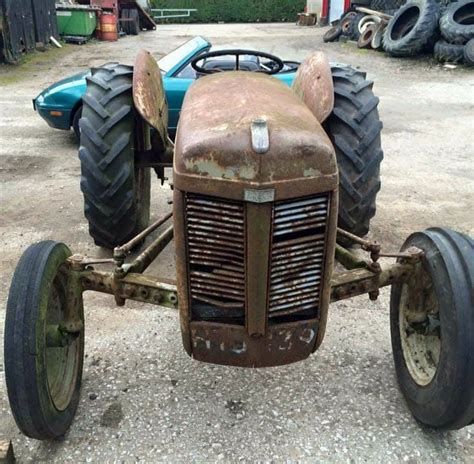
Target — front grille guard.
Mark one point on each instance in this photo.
(216, 250)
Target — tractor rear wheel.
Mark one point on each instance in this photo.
(116, 192)
(432, 322)
(354, 128)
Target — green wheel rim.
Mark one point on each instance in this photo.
(62, 363)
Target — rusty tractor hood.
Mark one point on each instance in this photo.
(242, 130)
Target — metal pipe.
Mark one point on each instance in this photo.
(143, 234)
(144, 259)
(347, 259)
(365, 243)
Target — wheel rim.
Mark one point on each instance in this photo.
(420, 329)
(62, 363)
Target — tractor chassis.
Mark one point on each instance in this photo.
(128, 281)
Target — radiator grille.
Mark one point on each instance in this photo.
(299, 230)
(216, 253)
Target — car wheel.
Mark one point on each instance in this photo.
(75, 123)
(432, 322)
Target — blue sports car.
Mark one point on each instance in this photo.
(60, 105)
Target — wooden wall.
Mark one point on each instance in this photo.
(25, 25)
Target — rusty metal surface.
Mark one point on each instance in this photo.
(255, 220)
(149, 96)
(330, 244)
(216, 252)
(258, 251)
(214, 153)
(138, 287)
(297, 263)
(232, 345)
(360, 281)
(348, 259)
(285, 273)
(146, 257)
(313, 84)
(127, 247)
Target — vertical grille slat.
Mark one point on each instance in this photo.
(297, 259)
(216, 246)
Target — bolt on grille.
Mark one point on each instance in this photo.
(297, 258)
(216, 253)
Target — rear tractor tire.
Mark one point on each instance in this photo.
(135, 23)
(413, 29)
(432, 326)
(354, 128)
(43, 353)
(116, 192)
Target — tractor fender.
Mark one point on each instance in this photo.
(313, 84)
(149, 95)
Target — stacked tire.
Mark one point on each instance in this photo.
(131, 21)
(457, 30)
(413, 29)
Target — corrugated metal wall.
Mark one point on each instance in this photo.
(24, 24)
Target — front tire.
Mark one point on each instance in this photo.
(116, 192)
(43, 380)
(432, 327)
(354, 128)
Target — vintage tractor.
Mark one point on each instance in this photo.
(262, 176)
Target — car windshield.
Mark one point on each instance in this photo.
(178, 55)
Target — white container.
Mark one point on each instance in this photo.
(314, 6)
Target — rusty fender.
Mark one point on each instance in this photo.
(313, 84)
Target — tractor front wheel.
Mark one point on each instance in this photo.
(432, 327)
(116, 192)
(44, 342)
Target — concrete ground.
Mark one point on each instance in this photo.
(143, 398)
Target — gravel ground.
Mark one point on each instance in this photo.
(143, 399)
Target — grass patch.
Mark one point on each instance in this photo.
(31, 63)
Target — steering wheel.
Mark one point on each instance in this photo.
(238, 53)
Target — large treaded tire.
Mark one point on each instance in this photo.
(449, 53)
(457, 22)
(354, 128)
(445, 399)
(468, 53)
(332, 34)
(126, 23)
(386, 5)
(413, 29)
(116, 193)
(354, 33)
(135, 23)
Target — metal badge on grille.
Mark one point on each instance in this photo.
(259, 196)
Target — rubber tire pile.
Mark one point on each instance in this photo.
(415, 28)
